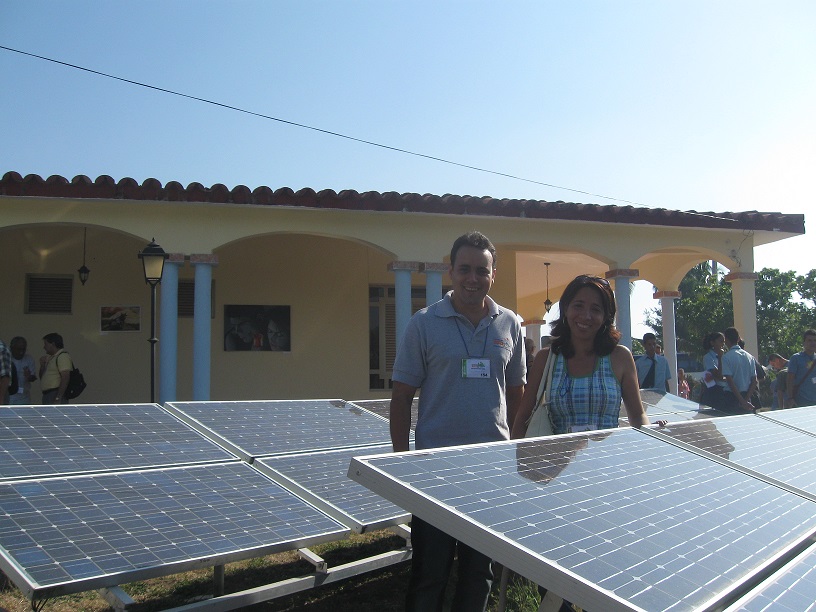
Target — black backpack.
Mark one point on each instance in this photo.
(76, 383)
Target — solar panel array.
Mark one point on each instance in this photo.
(95, 496)
(623, 519)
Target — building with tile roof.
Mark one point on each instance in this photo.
(349, 268)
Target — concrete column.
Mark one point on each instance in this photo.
(202, 324)
(168, 325)
(533, 331)
(433, 281)
(669, 334)
(743, 293)
(623, 320)
(402, 294)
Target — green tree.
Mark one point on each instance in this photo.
(785, 308)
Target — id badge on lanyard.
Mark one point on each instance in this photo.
(475, 368)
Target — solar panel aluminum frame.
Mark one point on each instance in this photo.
(325, 505)
(34, 591)
(502, 549)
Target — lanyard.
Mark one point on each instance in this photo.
(461, 335)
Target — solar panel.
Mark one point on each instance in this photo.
(322, 479)
(256, 428)
(662, 406)
(761, 445)
(792, 589)
(64, 535)
(612, 520)
(37, 441)
(383, 408)
(801, 418)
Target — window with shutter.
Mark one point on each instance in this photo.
(49, 294)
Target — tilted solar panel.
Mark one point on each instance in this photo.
(322, 478)
(38, 441)
(383, 408)
(792, 589)
(801, 418)
(613, 520)
(257, 428)
(65, 535)
(762, 445)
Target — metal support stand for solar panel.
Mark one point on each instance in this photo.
(323, 575)
(117, 598)
(218, 580)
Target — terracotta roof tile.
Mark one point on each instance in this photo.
(105, 187)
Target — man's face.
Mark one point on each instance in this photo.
(472, 275)
(649, 346)
(18, 349)
(49, 347)
(810, 344)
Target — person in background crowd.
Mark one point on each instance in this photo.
(55, 370)
(739, 371)
(653, 370)
(25, 371)
(5, 373)
(713, 394)
(778, 385)
(466, 353)
(683, 389)
(801, 383)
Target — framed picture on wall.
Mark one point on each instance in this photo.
(120, 318)
(257, 328)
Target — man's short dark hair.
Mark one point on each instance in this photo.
(809, 332)
(732, 335)
(55, 339)
(475, 239)
(649, 336)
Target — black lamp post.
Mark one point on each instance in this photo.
(84, 272)
(153, 257)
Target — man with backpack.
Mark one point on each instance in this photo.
(55, 370)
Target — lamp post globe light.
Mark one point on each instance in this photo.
(153, 258)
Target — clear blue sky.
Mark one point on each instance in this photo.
(694, 105)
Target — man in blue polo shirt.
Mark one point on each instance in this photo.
(467, 355)
(740, 373)
(801, 388)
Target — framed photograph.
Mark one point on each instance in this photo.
(257, 328)
(120, 318)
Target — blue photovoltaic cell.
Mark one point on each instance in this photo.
(791, 590)
(658, 526)
(662, 406)
(759, 444)
(37, 441)
(325, 474)
(383, 408)
(801, 418)
(72, 534)
(273, 427)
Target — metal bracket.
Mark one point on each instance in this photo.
(320, 565)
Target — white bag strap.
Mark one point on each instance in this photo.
(546, 379)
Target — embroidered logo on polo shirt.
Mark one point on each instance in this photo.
(503, 343)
